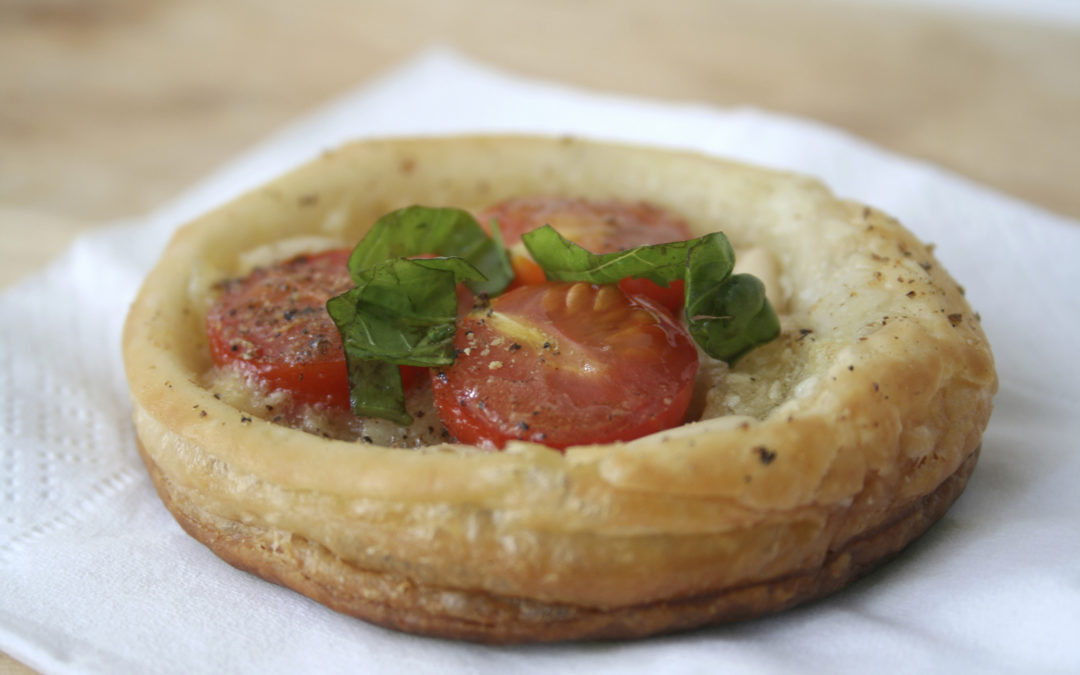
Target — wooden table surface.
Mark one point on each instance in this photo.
(109, 108)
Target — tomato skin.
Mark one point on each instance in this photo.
(566, 364)
(600, 226)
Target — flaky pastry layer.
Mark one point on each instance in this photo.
(872, 401)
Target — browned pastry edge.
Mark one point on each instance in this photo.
(396, 602)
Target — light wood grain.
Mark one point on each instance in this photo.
(111, 107)
(9, 666)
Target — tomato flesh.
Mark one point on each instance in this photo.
(273, 325)
(600, 226)
(566, 364)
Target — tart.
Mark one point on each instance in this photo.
(803, 465)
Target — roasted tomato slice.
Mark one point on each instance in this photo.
(273, 324)
(600, 226)
(565, 364)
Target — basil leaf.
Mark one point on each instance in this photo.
(563, 260)
(726, 315)
(731, 318)
(404, 311)
(420, 230)
(382, 394)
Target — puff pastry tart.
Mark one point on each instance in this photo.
(795, 469)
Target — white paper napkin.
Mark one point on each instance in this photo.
(96, 577)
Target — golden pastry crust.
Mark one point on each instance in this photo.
(859, 424)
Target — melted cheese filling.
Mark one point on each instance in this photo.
(249, 395)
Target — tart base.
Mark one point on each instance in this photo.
(396, 602)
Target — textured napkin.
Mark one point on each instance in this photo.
(95, 576)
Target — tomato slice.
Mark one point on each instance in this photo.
(600, 226)
(565, 364)
(273, 324)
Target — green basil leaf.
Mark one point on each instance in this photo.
(382, 394)
(726, 315)
(404, 311)
(420, 230)
(563, 260)
(731, 318)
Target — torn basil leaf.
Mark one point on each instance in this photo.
(727, 315)
(420, 230)
(403, 310)
(382, 394)
(563, 260)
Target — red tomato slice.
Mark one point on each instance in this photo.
(273, 324)
(598, 226)
(565, 364)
